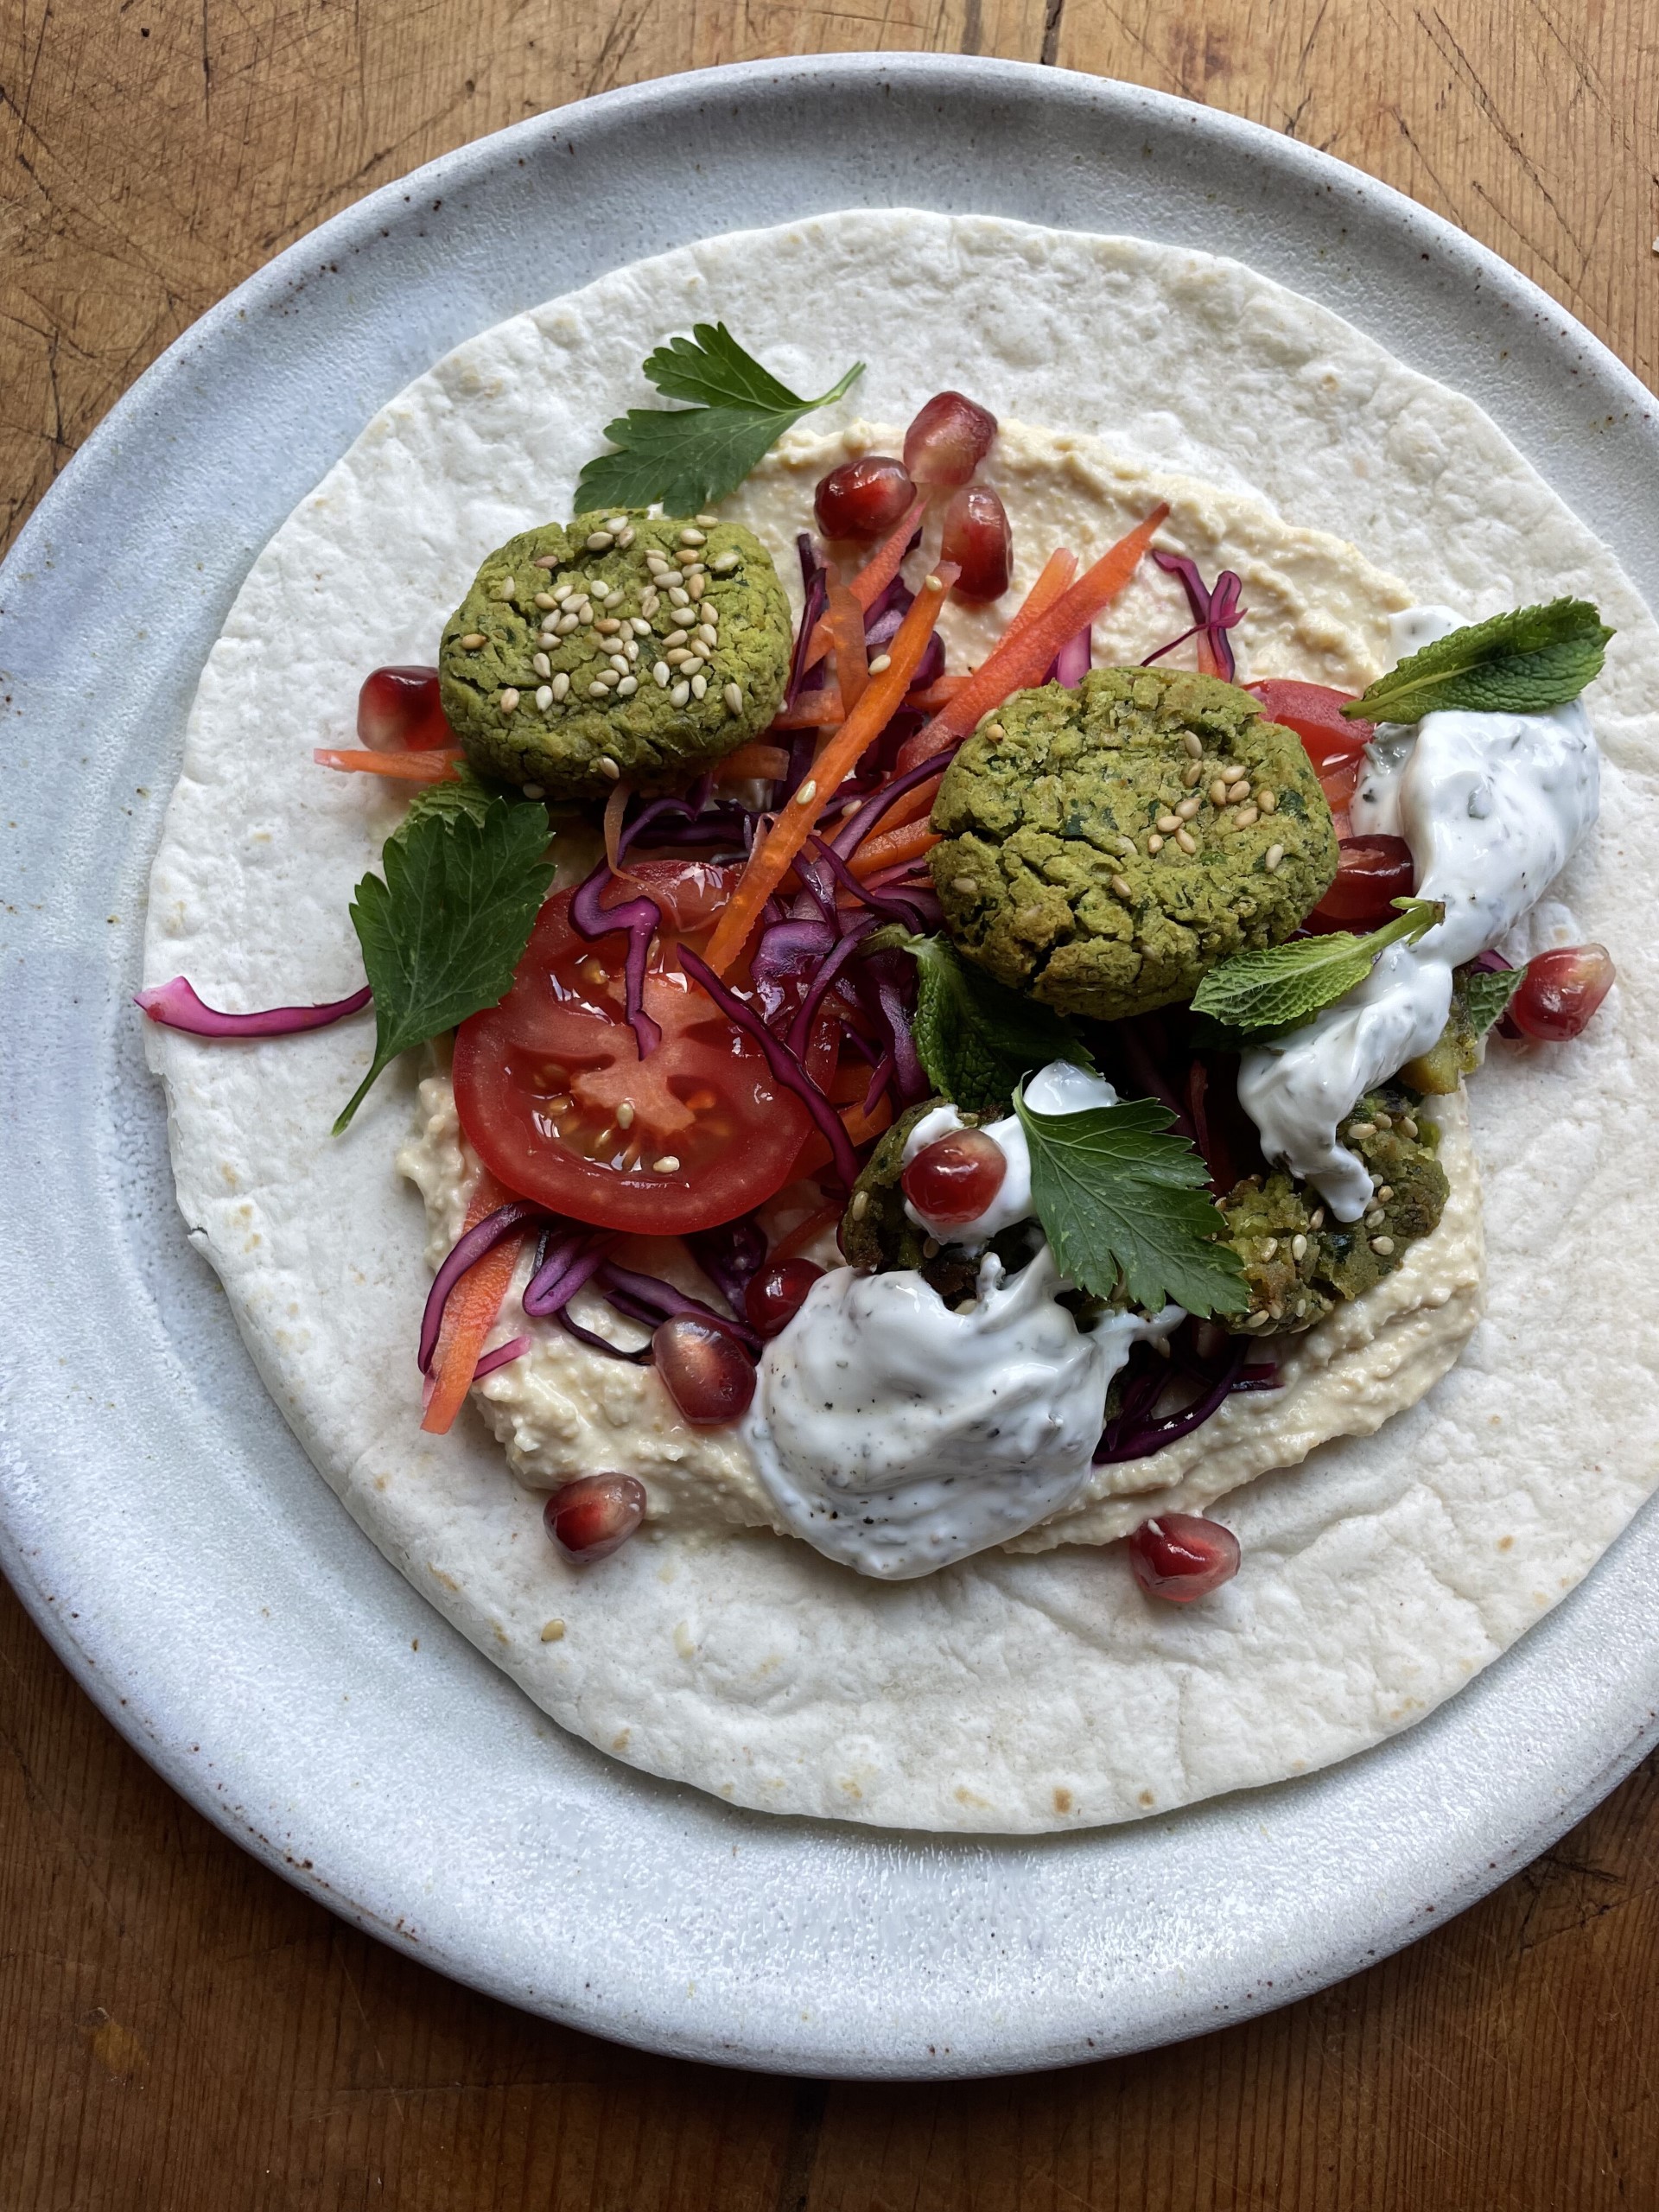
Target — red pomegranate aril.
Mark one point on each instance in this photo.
(1182, 1556)
(862, 500)
(1561, 991)
(594, 1515)
(1372, 872)
(949, 439)
(952, 1181)
(398, 711)
(704, 1370)
(978, 539)
(777, 1295)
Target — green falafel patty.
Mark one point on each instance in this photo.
(1298, 1263)
(1104, 847)
(615, 647)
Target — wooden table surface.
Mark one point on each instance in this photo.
(179, 2028)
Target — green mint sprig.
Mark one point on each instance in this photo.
(1265, 993)
(1518, 664)
(688, 457)
(1486, 995)
(1121, 1200)
(976, 1038)
(443, 931)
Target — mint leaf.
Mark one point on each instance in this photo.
(443, 934)
(976, 1037)
(1282, 986)
(467, 794)
(1486, 995)
(1515, 663)
(687, 458)
(1120, 1198)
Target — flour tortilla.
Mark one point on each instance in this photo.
(1010, 1694)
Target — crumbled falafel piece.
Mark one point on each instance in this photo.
(556, 669)
(1104, 847)
(1299, 1263)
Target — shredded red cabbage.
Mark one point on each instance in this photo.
(465, 1253)
(1073, 660)
(886, 984)
(800, 1030)
(1214, 612)
(641, 917)
(503, 1355)
(1136, 1429)
(858, 826)
(174, 1005)
(730, 1256)
(640, 1354)
(782, 1062)
(649, 1299)
(563, 1267)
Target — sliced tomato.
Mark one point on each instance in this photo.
(1332, 742)
(543, 1082)
(1372, 873)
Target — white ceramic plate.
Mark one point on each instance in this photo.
(164, 1526)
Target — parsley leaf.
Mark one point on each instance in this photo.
(468, 794)
(1518, 664)
(1121, 1198)
(443, 934)
(1282, 986)
(976, 1037)
(1486, 995)
(686, 458)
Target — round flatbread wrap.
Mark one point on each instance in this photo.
(1405, 1512)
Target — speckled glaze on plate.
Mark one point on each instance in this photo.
(160, 1520)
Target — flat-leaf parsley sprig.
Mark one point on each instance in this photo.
(685, 458)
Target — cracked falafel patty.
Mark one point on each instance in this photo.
(1104, 847)
(618, 647)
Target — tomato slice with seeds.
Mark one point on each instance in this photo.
(544, 1081)
(1332, 742)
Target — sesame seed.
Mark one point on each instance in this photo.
(807, 793)
(683, 618)
(677, 656)
(723, 563)
(540, 663)
(625, 538)
(696, 584)
(1169, 823)
(1316, 1219)
(1246, 815)
(649, 603)
(663, 674)
(1188, 807)
(1122, 887)
(1218, 792)
(613, 523)
(1359, 1129)
(566, 623)
(688, 561)
(544, 697)
(968, 886)
(1127, 847)
(583, 608)
(599, 541)
(1193, 743)
(709, 635)
(553, 1632)
(1407, 1126)
(607, 625)
(995, 732)
(562, 589)
(545, 561)
(680, 693)
(1382, 1246)
(1228, 772)
(1269, 1246)
(692, 537)
(534, 791)
(1298, 1248)
(860, 1205)
(1154, 843)
(1274, 854)
(627, 687)
(1375, 1218)
(1238, 790)
(678, 596)
(640, 626)
(608, 767)
(560, 685)
(881, 663)
(509, 700)
(932, 584)
(699, 687)
(1191, 773)
(508, 588)
(625, 1114)
(708, 521)
(733, 698)
(1186, 840)
(546, 599)
(473, 640)
(1385, 1192)
(929, 1248)
(668, 1165)
(620, 662)
(613, 598)
(599, 688)
(1267, 800)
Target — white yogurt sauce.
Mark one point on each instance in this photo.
(1492, 806)
(896, 1435)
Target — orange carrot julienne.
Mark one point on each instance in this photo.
(1057, 572)
(802, 1233)
(845, 623)
(749, 761)
(887, 849)
(877, 572)
(911, 808)
(470, 1313)
(814, 710)
(939, 693)
(436, 766)
(1026, 654)
(769, 862)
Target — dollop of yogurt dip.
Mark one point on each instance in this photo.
(1493, 807)
(897, 1435)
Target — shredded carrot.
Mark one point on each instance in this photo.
(470, 1314)
(1208, 664)
(861, 1127)
(939, 693)
(768, 864)
(910, 808)
(767, 762)
(877, 572)
(1058, 571)
(845, 623)
(890, 847)
(1027, 650)
(803, 1234)
(436, 766)
(615, 807)
(813, 710)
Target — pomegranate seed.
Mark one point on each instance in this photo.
(706, 1372)
(952, 1181)
(862, 500)
(1182, 1556)
(1372, 872)
(776, 1295)
(398, 711)
(1562, 990)
(978, 539)
(948, 440)
(594, 1515)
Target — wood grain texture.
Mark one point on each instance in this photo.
(179, 2029)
